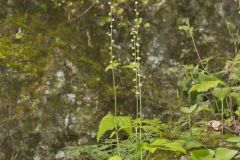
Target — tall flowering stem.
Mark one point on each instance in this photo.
(111, 18)
(137, 79)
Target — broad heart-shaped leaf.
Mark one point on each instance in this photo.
(209, 154)
(189, 110)
(202, 154)
(224, 154)
(233, 139)
(205, 85)
(106, 124)
(115, 158)
(221, 93)
(132, 65)
(109, 121)
(112, 65)
(164, 144)
(124, 122)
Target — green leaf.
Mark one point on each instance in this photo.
(132, 65)
(189, 110)
(174, 146)
(202, 154)
(106, 124)
(208, 154)
(165, 144)
(236, 96)
(221, 93)
(224, 154)
(197, 131)
(121, 1)
(155, 145)
(238, 111)
(124, 122)
(184, 83)
(193, 144)
(233, 139)
(112, 134)
(204, 107)
(205, 86)
(149, 148)
(113, 65)
(115, 158)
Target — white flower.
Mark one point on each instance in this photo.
(60, 74)
(60, 155)
(71, 97)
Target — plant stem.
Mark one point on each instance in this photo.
(136, 76)
(113, 72)
(138, 73)
(195, 47)
(114, 92)
(117, 139)
(222, 115)
(115, 110)
(189, 123)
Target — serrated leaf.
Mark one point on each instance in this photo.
(106, 124)
(204, 86)
(112, 65)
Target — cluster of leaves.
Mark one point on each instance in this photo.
(203, 87)
(205, 91)
(157, 143)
